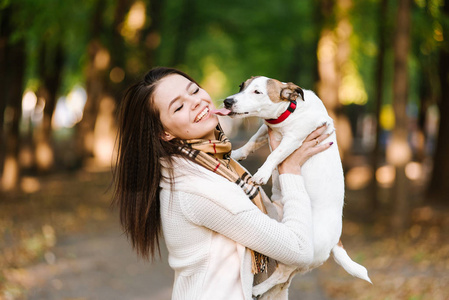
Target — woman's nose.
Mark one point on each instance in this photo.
(196, 101)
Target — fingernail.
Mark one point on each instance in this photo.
(330, 144)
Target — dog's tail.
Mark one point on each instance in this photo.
(342, 258)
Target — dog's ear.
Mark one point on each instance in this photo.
(291, 92)
(245, 83)
(241, 86)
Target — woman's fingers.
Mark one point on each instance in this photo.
(316, 141)
(320, 148)
(316, 133)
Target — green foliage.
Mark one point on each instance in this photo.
(238, 38)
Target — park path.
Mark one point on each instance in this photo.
(96, 266)
(100, 265)
(96, 262)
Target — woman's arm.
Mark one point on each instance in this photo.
(288, 241)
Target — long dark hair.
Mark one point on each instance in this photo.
(137, 173)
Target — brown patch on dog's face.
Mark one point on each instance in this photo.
(278, 91)
(274, 88)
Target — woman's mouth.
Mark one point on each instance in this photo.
(202, 114)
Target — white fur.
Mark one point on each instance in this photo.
(323, 174)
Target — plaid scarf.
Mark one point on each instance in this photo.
(215, 155)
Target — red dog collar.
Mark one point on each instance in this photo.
(291, 108)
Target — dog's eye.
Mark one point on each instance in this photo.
(241, 86)
(257, 92)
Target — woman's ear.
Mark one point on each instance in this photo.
(167, 136)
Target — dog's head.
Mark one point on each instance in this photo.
(263, 97)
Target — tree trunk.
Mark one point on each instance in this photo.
(98, 63)
(439, 187)
(5, 33)
(51, 74)
(378, 95)
(96, 131)
(333, 52)
(152, 36)
(398, 150)
(186, 27)
(427, 96)
(95, 89)
(15, 58)
(118, 48)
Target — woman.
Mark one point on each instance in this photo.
(174, 175)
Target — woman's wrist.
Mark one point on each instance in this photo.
(292, 186)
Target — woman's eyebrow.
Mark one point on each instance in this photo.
(176, 98)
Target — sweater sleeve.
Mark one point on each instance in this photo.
(289, 241)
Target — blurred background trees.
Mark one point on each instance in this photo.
(380, 66)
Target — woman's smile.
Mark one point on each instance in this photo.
(204, 114)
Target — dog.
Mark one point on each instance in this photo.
(293, 113)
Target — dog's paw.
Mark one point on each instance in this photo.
(238, 154)
(262, 176)
(260, 289)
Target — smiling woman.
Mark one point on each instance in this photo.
(185, 109)
(174, 176)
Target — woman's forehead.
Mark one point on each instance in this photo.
(170, 87)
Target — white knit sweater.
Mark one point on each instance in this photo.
(208, 223)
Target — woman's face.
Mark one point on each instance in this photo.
(185, 109)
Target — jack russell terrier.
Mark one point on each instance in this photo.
(293, 113)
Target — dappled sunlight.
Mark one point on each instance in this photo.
(32, 108)
(102, 59)
(30, 184)
(414, 170)
(387, 119)
(38, 114)
(438, 33)
(44, 155)
(10, 173)
(69, 110)
(398, 151)
(385, 176)
(134, 22)
(327, 48)
(358, 177)
(26, 157)
(117, 75)
(352, 89)
(103, 149)
(29, 102)
(104, 133)
(136, 16)
(215, 80)
(327, 86)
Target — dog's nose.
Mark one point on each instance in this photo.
(228, 102)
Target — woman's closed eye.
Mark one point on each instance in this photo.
(179, 108)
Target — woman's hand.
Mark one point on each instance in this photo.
(309, 147)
